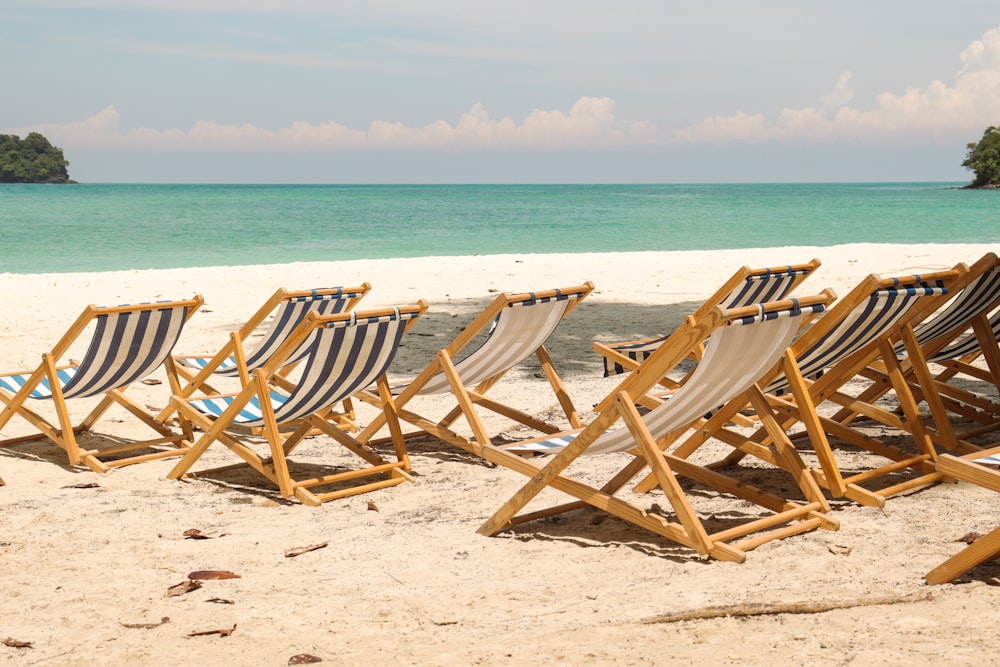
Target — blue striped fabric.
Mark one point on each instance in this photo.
(768, 286)
(14, 383)
(214, 407)
(126, 347)
(288, 316)
(967, 344)
(980, 294)
(340, 360)
(874, 317)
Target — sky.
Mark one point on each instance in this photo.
(543, 91)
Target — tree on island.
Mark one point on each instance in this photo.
(983, 157)
(31, 160)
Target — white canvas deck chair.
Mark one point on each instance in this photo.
(835, 349)
(745, 287)
(953, 337)
(744, 344)
(286, 309)
(345, 353)
(518, 326)
(128, 343)
(979, 470)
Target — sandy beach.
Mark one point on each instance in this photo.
(405, 578)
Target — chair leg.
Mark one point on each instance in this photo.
(984, 549)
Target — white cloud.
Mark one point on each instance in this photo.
(590, 123)
(961, 109)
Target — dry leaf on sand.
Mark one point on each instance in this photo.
(183, 587)
(202, 575)
(298, 551)
(222, 632)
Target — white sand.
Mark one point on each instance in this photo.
(413, 582)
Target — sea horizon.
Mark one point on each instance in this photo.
(115, 226)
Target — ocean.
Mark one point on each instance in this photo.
(103, 227)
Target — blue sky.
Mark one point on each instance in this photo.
(388, 91)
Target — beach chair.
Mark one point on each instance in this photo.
(286, 309)
(985, 547)
(745, 287)
(344, 353)
(953, 337)
(827, 356)
(744, 344)
(515, 327)
(128, 343)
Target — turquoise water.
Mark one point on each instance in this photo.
(103, 227)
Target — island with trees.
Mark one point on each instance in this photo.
(983, 158)
(31, 160)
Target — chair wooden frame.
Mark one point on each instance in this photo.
(986, 547)
(719, 378)
(346, 352)
(976, 296)
(862, 326)
(468, 378)
(129, 343)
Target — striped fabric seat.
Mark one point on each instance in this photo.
(341, 359)
(745, 288)
(342, 354)
(737, 356)
(128, 343)
(839, 348)
(520, 329)
(982, 294)
(949, 337)
(126, 347)
(290, 312)
(966, 345)
(869, 321)
(745, 344)
(512, 328)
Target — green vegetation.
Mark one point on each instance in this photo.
(31, 160)
(983, 157)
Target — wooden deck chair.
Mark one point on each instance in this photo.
(835, 349)
(286, 309)
(128, 343)
(345, 353)
(745, 343)
(962, 328)
(745, 287)
(518, 326)
(986, 547)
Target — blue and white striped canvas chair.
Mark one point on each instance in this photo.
(953, 337)
(517, 326)
(745, 344)
(979, 469)
(344, 354)
(128, 344)
(832, 352)
(745, 287)
(286, 308)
